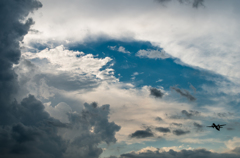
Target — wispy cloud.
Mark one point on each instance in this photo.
(184, 93)
(153, 54)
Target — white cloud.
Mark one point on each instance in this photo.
(201, 141)
(233, 143)
(153, 54)
(122, 49)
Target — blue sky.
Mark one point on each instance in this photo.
(120, 79)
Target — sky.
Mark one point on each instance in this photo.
(119, 79)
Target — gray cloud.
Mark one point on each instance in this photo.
(198, 126)
(25, 131)
(179, 132)
(163, 130)
(225, 114)
(156, 92)
(197, 153)
(89, 129)
(142, 134)
(230, 129)
(194, 3)
(184, 93)
(177, 124)
(185, 115)
(190, 114)
(158, 119)
(192, 87)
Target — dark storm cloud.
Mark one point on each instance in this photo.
(180, 132)
(198, 126)
(142, 134)
(26, 129)
(184, 93)
(163, 130)
(195, 3)
(197, 153)
(156, 93)
(190, 114)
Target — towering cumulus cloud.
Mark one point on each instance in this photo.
(26, 129)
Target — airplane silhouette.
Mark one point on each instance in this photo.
(216, 126)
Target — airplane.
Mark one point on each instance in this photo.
(216, 126)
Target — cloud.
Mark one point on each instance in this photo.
(192, 87)
(152, 54)
(184, 93)
(27, 132)
(190, 114)
(233, 143)
(180, 132)
(177, 124)
(88, 129)
(180, 154)
(158, 119)
(156, 92)
(120, 49)
(225, 114)
(195, 3)
(198, 126)
(175, 28)
(163, 130)
(142, 134)
(26, 129)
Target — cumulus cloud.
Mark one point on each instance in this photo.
(156, 92)
(88, 129)
(153, 54)
(26, 129)
(184, 93)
